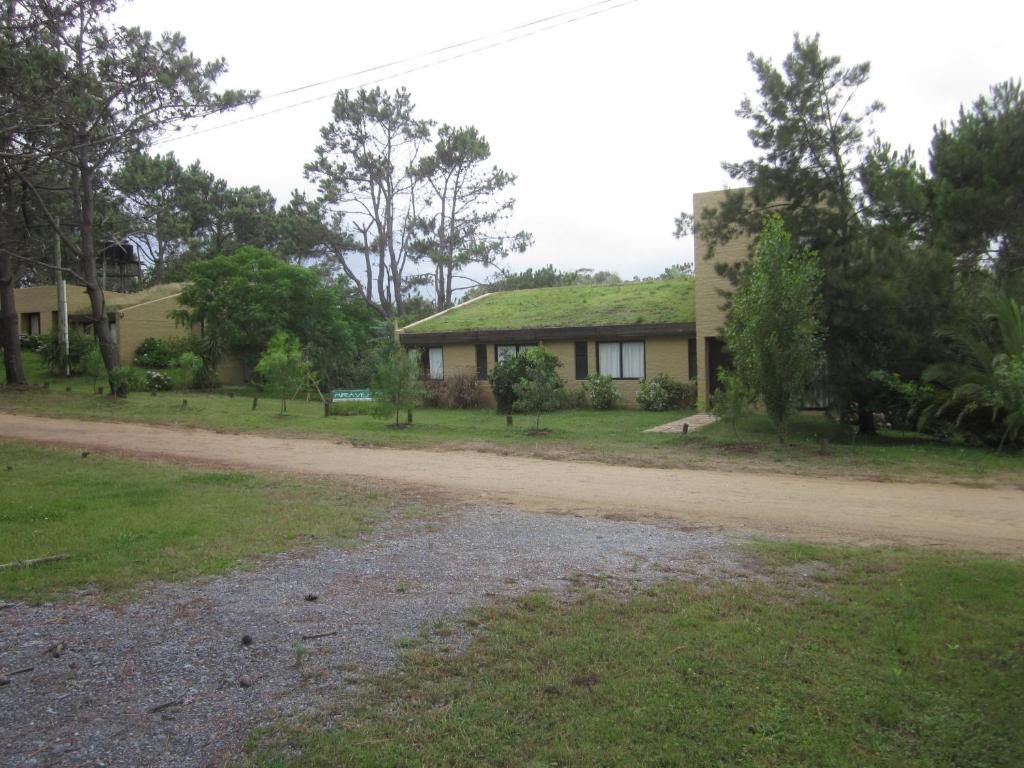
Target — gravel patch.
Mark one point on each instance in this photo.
(180, 675)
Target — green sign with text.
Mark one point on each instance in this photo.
(351, 395)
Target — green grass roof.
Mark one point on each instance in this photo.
(659, 301)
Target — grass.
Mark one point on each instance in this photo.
(615, 437)
(660, 301)
(125, 522)
(886, 657)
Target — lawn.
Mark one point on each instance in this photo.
(881, 657)
(615, 437)
(125, 522)
(662, 301)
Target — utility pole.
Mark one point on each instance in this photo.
(62, 310)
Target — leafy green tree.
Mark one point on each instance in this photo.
(882, 291)
(984, 386)
(283, 367)
(113, 90)
(466, 209)
(396, 384)
(977, 186)
(541, 388)
(774, 331)
(244, 299)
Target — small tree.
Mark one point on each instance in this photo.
(283, 366)
(396, 385)
(93, 365)
(774, 330)
(541, 387)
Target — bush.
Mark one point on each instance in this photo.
(435, 394)
(157, 381)
(125, 379)
(79, 344)
(159, 353)
(663, 393)
(504, 377)
(600, 392)
(32, 342)
(463, 391)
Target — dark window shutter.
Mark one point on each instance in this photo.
(581, 360)
(691, 354)
(481, 362)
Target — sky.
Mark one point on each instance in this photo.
(611, 122)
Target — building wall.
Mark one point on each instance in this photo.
(42, 300)
(668, 355)
(709, 301)
(138, 323)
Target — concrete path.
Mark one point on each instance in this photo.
(688, 424)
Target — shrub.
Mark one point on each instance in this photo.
(600, 392)
(159, 353)
(506, 374)
(192, 365)
(32, 342)
(157, 381)
(125, 379)
(663, 393)
(435, 394)
(79, 344)
(463, 391)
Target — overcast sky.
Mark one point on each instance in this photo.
(611, 122)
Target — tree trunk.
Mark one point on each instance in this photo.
(9, 335)
(101, 326)
(866, 423)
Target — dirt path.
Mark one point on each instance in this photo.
(807, 508)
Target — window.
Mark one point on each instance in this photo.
(429, 359)
(621, 360)
(691, 358)
(501, 351)
(30, 323)
(581, 360)
(481, 362)
(435, 363)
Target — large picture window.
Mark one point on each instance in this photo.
(621, 359)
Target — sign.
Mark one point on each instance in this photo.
(351, 396)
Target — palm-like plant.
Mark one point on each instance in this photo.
(988, 378)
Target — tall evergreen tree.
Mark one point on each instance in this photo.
(817, 168)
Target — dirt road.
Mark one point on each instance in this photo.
(805, 508)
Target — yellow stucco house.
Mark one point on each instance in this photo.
(133, 318)
(630, 331)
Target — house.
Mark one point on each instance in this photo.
(710, 298)
(629, 331)
(133, 317)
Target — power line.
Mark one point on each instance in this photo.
(442, 49)
(427, 65)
